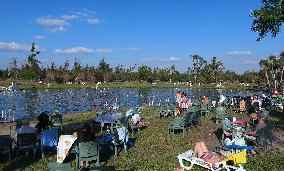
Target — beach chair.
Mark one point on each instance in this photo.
(134, 127)
(122, 139)
(160, 112)
(6, 146)
(178, 123)
(262, 137)
(187, 156)
(48, 140)
(192, 109)
(26, 142)
(220, 114)
(204, 110)
(88, 151)
(265, 114)
(56, 121)
(55, 166)
(226, 126)
(188, 119)
(196, 117)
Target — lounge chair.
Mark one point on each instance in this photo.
(187, 156)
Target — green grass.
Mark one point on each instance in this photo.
(156, 150)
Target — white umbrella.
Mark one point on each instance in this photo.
(105, 119)
(116, 116)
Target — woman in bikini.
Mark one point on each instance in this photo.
(202, 152)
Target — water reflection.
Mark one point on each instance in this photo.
(32, 103)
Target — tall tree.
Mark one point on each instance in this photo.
(31, 69)
(217, 68)
(281, 63)
(145, 73)
(198, 64)
(264, 65)
(105, 71)
(272, 61)
(268, 19)
(13, 69)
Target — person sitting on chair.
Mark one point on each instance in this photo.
(85, 135)
(136, 118)
(25, 128)
(201, 151)
(256, 123)
(43, 122)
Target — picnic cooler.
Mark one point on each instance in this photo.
(238, 158)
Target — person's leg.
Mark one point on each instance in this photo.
(203, 147)
(199, 149)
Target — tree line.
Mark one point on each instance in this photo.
(201, 71)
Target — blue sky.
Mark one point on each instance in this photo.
(153, 32)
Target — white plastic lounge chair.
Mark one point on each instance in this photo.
(187, 156)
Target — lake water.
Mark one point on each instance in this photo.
(32, 103)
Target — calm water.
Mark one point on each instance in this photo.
(32, 103)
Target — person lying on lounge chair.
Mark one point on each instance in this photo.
(201, 151)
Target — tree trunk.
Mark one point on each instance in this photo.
(281, 77)
(266, 75)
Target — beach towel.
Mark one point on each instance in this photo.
(64, 145)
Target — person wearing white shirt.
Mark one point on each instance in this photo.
(136, 118)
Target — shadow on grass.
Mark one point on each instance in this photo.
(22, 161)
(277, 119)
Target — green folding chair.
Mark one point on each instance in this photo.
(54, 166)
(88, 151)
(26, 142)
(6, 145)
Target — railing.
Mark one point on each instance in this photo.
(7, 116)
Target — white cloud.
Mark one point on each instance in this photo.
(167, 59)
(39, 37)
(93, 21)
(13, 46)
(86, 13)
(58, 29)
(239, 53)
(69, 17)
(251, 62)
(60, 23)
(51, 22)
(129, 49)
(74, 50)
(54, 24)
(134, 49)
(104, 50)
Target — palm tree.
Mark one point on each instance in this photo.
(264, 65)
(281, 63)
(273, 67)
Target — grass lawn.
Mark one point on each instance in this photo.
(154, 149)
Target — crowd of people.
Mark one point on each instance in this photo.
(240, 134)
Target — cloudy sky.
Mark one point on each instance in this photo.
(153, 32)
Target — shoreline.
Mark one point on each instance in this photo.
(68, 118)
(27, 85)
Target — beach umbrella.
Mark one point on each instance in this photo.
(116, 116)
(105, 119)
